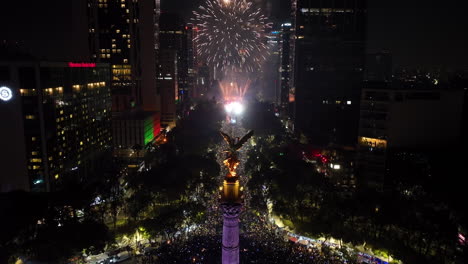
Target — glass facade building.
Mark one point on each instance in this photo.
(66, 110)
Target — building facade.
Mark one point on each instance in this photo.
(403, 118)
(168, 85)
(64, 122)
(329, 61)
(286, 69)
(124, 33)
(173, 36)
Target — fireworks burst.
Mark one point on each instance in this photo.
(230, 35)
(233, 91)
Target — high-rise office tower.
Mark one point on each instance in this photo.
(330, 55)
(117, 29)
(168, 85)
(286, 68)
(124, 33)
(192, 59)
(269, 84)
(62, 112)
(173, 36)
(204, 80)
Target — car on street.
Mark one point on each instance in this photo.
(121, 256)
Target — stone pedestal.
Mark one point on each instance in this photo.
(231, 211)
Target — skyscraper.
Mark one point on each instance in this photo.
(192, 59)
(168, 85)
(173, 36)
(329, 53)
(64, 114)
(116, 32)
(124, 33)
(286, 68)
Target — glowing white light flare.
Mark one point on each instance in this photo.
(5, 93)
(228, 108)
(234, 108)
(238, 108)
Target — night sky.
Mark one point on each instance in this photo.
(418, 33)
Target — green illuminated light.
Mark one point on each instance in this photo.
(149, 130)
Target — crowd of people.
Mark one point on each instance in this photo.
(259, 243)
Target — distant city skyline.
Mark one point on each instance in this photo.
(416, 33)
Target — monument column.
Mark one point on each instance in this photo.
(231, 201)
(230, 253)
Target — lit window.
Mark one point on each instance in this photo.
(33, 138)
(108, 56)
(103, 55)
(36, 160)
(30, 117)
(56, 176)
(348, 102)
(36, 167)
(81, 143)
(114, 46)
(34, 153)
(117, 31)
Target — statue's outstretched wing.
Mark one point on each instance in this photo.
(243, 140)
(226, 138)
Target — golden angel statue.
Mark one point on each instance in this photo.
(232, 160)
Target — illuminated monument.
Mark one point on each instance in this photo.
(231, 200)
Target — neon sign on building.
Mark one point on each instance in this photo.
(81, 64)
(5, 93)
